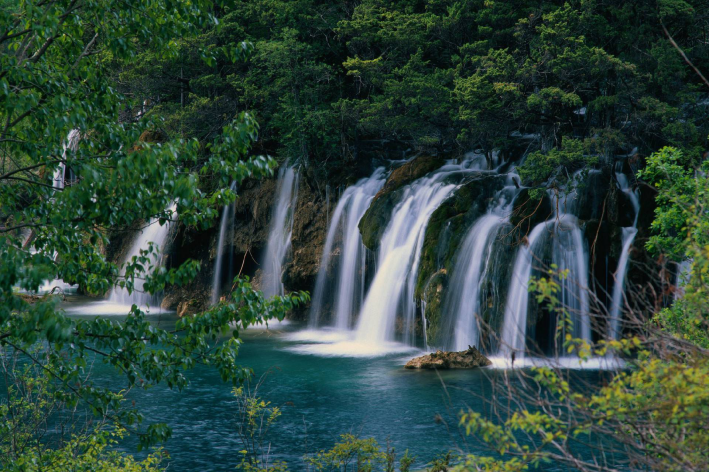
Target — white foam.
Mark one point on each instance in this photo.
(566, 362)
(335, 343)
(105, 308)
(324, 335)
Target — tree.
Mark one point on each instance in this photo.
(55, 59)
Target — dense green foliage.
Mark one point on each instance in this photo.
(55, 78)
(328, 79)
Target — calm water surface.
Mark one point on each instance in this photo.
(320, 396)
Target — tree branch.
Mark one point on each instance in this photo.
(684, 56)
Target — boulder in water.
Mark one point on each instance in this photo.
(444, 360)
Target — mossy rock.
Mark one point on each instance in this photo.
(409, 172)
(449, 223)
(376, 219)
(433, 298)
(528, 212)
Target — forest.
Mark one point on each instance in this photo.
(354, 235)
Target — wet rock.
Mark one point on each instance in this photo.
(443, 360)
(528, 212)
(190, 307)
(433, 298)
(376, 219)
(449, 223)
(308, 239)
(409, 172)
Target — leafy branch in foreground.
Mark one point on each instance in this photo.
(652, 412)
(59, 198)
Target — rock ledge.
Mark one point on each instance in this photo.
(444, 360)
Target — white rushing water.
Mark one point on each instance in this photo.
(153, 233)
(348, 268)
(462, 302)
(568, 253)
(280, 231)
(514, 328)
(71, 144)
(392, 291)
(227, 222)
(628, 234)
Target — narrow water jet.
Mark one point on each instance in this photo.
(156, 234)
(71, 144)
(227, 222)
(280, 232)
(514, 328)
(348, 270)
(628, 235)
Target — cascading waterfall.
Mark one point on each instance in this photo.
(463, 297)
(465, 281)
(226, 223)
(392, 289)
(348, 291)
(153, 233)
(280, 232)
(628, 234)
(72, 142)
(514, 328)
(568, 254)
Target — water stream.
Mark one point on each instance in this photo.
(280, 232)
(462, 304)
(226, 224)
(156, 234)
(342, 266)
(628, 235)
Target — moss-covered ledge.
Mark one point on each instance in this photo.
(377, 217)
(449, 223)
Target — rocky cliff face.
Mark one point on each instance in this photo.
(603, 210)
(253, 209)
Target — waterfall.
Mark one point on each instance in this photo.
(462, 301)
(348, 276)
(227, 221)
(72, 142)
(514, 328)
(684, 274)
(462, 304)
(279, 235)
(392, 290)
(568, 253)
(628, 234)
(156, 234)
